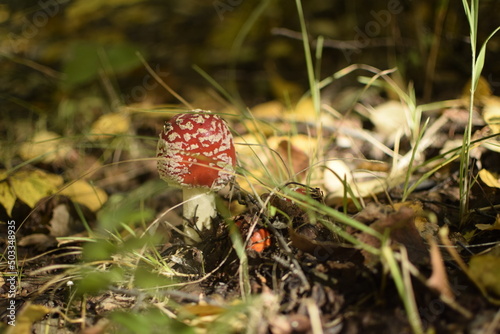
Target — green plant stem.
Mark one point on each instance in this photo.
(405, 291)
(477, 67)
(309, 62)
(472, 16)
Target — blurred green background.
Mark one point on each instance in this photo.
(65, 50)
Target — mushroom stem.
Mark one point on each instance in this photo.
(199, 207)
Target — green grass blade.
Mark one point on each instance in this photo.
(480, 60)
(307, 53)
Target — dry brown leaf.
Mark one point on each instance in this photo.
(450, 145)
(253, 155)
(38, 240)
(305, 241)
(296, 151)
(293, 158)
(59, 225)
(425, 227)
(401, 225)
(307, 144)
(438, 280)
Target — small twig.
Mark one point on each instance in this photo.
(170, 293)
(333, 43)
(162, 83)
(34, 65)
(295, 265)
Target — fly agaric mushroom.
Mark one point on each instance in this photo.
(196, 153)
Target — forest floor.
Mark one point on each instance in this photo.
(355, 207)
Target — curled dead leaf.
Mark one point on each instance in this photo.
(439, 279)
(402, 229)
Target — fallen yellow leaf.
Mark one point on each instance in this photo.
(109, 125)
(489, 178)
(86, 194)
(491, 113)
(262, 117)
(7, 196)
(482, 92)
(304, 111)
(29, 186)
(486, 272)
(487, 227)
(47, 146)
(27, 316)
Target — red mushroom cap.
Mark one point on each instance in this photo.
(260, 240)
(196, 150)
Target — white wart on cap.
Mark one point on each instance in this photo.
(196, 150)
